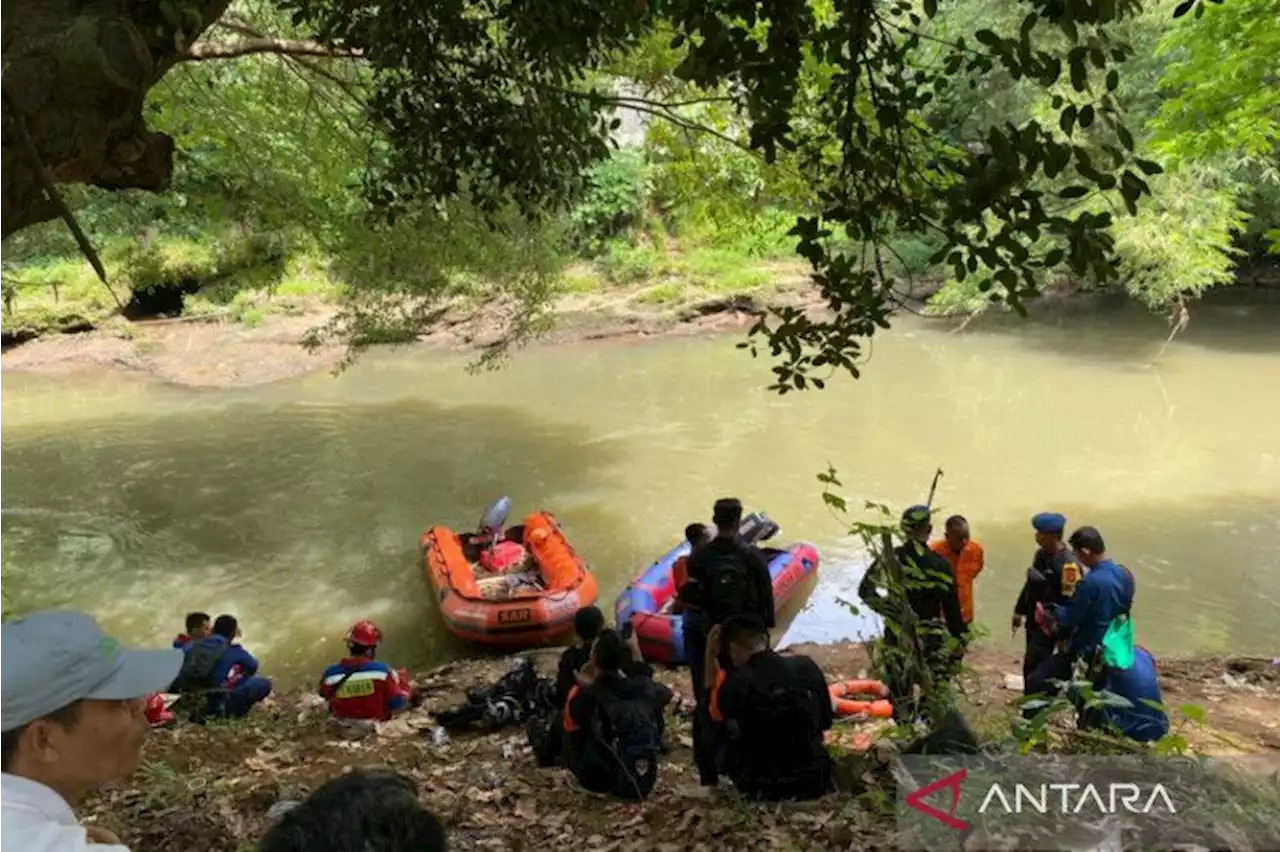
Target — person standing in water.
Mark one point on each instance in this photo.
(966, 557)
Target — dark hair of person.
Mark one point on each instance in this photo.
(956, 521)
(65, 717)
(745, 630)
(226, 626)
(196, 619)
(695, 533)
(588, 622)
(371, 810)
(610, 651)
(1088, 538)
(727, 512)
(358, 650)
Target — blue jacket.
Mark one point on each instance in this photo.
(1137, 684)
(1104, 593)
(233, 656)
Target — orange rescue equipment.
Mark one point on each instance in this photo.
(844, 704)
(517, 606)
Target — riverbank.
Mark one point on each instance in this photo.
(212, 788)
(222, 349)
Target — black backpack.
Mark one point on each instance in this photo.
(728, 590)
(782, 714)
(198, 666)
(627, 731)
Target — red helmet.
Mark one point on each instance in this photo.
(364, 633)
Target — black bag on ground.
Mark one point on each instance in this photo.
(626, 730)
(517, 695)
(544, 733)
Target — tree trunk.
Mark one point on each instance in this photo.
(77, 75)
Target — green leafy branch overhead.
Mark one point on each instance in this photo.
(504, 103)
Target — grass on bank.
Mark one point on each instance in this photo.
(246, 281)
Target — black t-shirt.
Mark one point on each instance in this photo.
(758, 751)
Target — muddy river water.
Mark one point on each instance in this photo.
(298, 505)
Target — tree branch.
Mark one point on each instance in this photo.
(250, 46)
(51, 191)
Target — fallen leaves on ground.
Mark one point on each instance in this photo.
(210, 788)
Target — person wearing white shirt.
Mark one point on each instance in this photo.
(72, 708)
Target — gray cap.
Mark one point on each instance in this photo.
(50, 659)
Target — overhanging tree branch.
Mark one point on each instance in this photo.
(208, 50)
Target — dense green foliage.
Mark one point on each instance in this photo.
(459, 154)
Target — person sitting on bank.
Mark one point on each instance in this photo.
(931, 594)
(71, 707)
(1144, 719)
(198, 626)
(1051, 580)
(545, 730)
(223, 671)
(612, 720)
(587, 624)
(1105, 593)
(368, 810)
(361, 687)
(775, 710)
(966, 557)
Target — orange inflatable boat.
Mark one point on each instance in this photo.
(511, 588)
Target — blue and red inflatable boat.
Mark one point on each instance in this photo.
(647, 601)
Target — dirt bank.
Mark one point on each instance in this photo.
(218, 352)
(211, 788)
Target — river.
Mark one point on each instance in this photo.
(297, 506)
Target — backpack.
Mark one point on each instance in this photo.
(198, 666)
(627, 728)
(727, 586)
(783, 712)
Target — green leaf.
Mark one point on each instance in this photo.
(930, 8)
(1086, 115)
(1067, 120)
(835, 501)
(1074, 192)
(1079, 76)
(1113, 80)
(1148, 167)
(1194, 712)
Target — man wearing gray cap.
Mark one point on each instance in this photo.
(71, 702)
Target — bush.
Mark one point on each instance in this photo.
(614, 202)
(911, 254)
(762, 236)
(625, 264)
